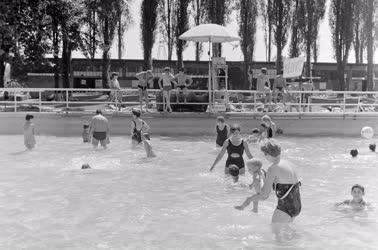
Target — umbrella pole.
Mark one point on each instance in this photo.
(209, 83)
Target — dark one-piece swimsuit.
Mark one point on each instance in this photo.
(231, 149)
(137, 134)
(289, 198)
(269, 132)
(221, 136)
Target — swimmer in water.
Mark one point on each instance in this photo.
(235, 147)
(372, 147)
(254, 167)
(223, 131)
(357, 201)
(269, 125)
(86, 136)
(139, 133)
(234, 172)
(354, 153)
(29, 132)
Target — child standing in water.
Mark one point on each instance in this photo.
(254, 167)
(29, 132)
(357, 202)
(223, 131)
(86, 135)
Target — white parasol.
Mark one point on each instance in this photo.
(211, 33)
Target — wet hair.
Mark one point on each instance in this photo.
(220, 119)
(85, 126)
(234, 127)
(255, 131)
(99, 112)
(136, 112)
(167, 69)
(360, 187)
(233, 170)
(271, 148)
(28, 117)
(85, 166)
(372, 147)
(266, 118)
(354, 152)
(255, 163)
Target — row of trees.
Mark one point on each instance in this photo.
(30, 29)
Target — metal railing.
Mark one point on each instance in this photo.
(87, 100)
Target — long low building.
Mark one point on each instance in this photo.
(87, 74)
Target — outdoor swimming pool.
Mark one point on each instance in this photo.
(172, 202)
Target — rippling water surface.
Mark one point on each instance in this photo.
(127, 201)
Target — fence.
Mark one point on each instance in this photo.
(87, 100)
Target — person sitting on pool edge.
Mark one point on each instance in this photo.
(235, 147)
(99, 130)
(139, 133)
(357, 201)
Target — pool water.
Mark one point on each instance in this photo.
(127, 201)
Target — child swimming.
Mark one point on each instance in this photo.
(29, 132)
(254, 167)
(223, 131)
(357, 201)
(85, 134)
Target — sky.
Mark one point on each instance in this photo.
(232, 52)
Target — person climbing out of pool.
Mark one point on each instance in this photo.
(144, 78)
(235, 147)
(165, 84)
(223, 131)
(99, 130)
(139, 133)
(270, 126)
(29, 132)
(282, 176)
(357, 202)
(86, 136)
(254, 167)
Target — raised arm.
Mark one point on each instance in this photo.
(247, 151)
(264, 194)
(132, 127)
(220, 155)
(91, 127)
(190, 81)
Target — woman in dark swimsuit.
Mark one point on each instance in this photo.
(235, 147)
(283, 178)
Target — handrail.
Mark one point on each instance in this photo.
(346, 102)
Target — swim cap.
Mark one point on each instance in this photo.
(354, 152)
(372, 147)
(85, 166)
(233, 170)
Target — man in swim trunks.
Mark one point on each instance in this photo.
(99, 129)
(278, 86)
(165, 84)
(144, 78)
(282, 176)
(183, 82)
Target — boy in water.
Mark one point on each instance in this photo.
(29, 132)
(86, 135)
(357, 202)
(223, 131)
(254, 167)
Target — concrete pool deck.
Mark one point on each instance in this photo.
(194, 124)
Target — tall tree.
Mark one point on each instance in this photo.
(182, 26)
(148, 27)
(247, 32)
(296, 38)
(199, 13)
(108, 12)
(124, 20)
(359, 29)
(341, 23)
(310, 14)
(281, 23)
(267, 13)
(218, 12)
(168, 22)
(370, 49)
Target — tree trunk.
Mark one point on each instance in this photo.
(315, 51)
(308, 37)
(2, 70)
(340, 76)
(120, 37)
(269, 30)
(105, 56)
(197, 52)
(370, 51)
(65, 62)
(179, 48)
(357, 43)
(279, 36)
(169, 32)
(56, 54)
